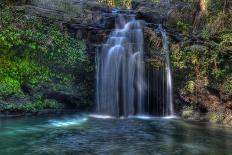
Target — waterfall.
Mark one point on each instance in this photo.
(122, 87)
(168, 74)
(120, 69)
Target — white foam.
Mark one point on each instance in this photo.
(170, 117)
(143, 117)
(68, 121)
(101, 116)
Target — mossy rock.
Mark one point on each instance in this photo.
(216, 117)
(228, 120)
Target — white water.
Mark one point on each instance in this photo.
(122, 89)
(120, 70)
(169, 87)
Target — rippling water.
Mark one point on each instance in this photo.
(104, 135)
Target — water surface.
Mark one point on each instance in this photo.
(84, 134)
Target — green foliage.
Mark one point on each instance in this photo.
(190, 86)
(40, 105)
(9, 86)
(123, 3)
(229, 84)
(177, 57)
(218, 24)
(184, 27)
(226, 37)
(200, 62)
(29, 37)
(215, 117)
(215, 6)
(117, 3)
(33, 106)
(205, 34)
(190, 57)
(154, 1)
(185, 1)
(22, 70)
(36, 52)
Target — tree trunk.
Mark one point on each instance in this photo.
(203, 7)
(201, 15)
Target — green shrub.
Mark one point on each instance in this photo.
(9, 86)
(22, 71)
(190, 86)
(215, 6)
(40, 105)
(215, 117)
(32, 107)
(117, 3)
(205, 34)
(229, 85)
(184, 27)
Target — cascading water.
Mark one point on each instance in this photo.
(169, 90)
(122, 88)
(120, 70)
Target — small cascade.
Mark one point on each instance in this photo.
(169, 110)
(120, 69)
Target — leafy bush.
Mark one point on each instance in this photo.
(229, 85)
(215, 6)
(215, 117)
(9, 86)
(184, 27)
(205, 34)
(117, 3)
(40, 105)
(32, 107)
(184, 1)
(190, 86)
